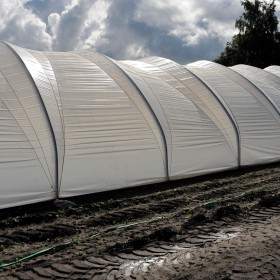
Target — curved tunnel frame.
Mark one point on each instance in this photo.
(257, 103)
(52, 103)
(179, 113)
(14, 50)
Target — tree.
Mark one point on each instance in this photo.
(258, 40)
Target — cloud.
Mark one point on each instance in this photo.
(79, 25)
(70, 25)
(180, 30)
(19, 25)
(184, 31)
(43, 8)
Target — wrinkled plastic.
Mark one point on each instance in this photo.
(79, 122)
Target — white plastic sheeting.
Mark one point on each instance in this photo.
(79, 122)
(50, 98)
(257, 120)
(195, 144)
(267, 82)
(108, 142)
(191, 87)
(27, 160)
(110, 67)
(275, 69)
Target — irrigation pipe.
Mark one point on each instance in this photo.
(119, 227)
(27, 257)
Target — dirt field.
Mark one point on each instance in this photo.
(222, 226)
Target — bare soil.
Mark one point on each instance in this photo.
(221, 226)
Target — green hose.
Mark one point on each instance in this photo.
(26, 258)
(207, 203)
(64, 244)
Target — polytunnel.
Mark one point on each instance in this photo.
(75, 123)
(195, 143)
(267, 83)
(256, 119)
(274, 69)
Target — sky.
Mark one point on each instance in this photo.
(181, 30)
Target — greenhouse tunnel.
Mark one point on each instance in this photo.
(75, 123)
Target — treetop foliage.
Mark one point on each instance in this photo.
(258, 40)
